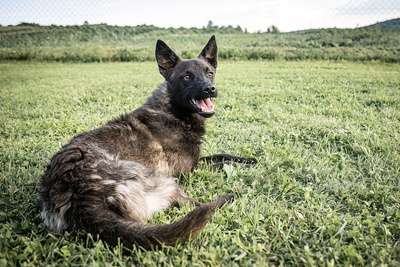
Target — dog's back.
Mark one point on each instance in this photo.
(109, 181)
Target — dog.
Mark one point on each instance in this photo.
(110, 180)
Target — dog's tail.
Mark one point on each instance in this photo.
(146, 235)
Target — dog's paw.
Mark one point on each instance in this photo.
(224, 199)
(217, 161)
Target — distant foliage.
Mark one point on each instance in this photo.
(389, 24)
(273, 29)
(102, 43)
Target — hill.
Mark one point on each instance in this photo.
(102, 42)
(387, 25)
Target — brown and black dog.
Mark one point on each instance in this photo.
(110, 180)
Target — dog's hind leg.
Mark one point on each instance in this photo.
(142, 189)
(111, 227)
(181, 198)
(124, 195)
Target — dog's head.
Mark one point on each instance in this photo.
(190, 82)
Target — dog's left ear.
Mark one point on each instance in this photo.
(210, 52)
(166, 58)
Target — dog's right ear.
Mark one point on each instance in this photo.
(166, 58)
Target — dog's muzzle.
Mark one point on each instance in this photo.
(205, 105)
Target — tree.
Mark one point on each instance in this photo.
(273, 29)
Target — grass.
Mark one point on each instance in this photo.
(325, 193)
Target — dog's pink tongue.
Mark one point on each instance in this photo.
(206, 105)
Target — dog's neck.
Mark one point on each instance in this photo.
(183, 134)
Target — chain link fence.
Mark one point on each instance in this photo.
(287, 15)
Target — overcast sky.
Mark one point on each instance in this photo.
(254, 15)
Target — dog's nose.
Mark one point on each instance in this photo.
(209, 89)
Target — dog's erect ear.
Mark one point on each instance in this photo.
(166, 58)
(210, 52)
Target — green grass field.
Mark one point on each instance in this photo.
(326, 190)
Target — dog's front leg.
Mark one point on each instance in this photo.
(218, 160)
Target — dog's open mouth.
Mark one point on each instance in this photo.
(205, 107)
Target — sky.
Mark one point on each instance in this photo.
(253, 15)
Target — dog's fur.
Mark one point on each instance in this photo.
(110, 180)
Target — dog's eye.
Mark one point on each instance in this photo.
(186, 78)
(210, 74)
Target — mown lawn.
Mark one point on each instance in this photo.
(325, 191)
